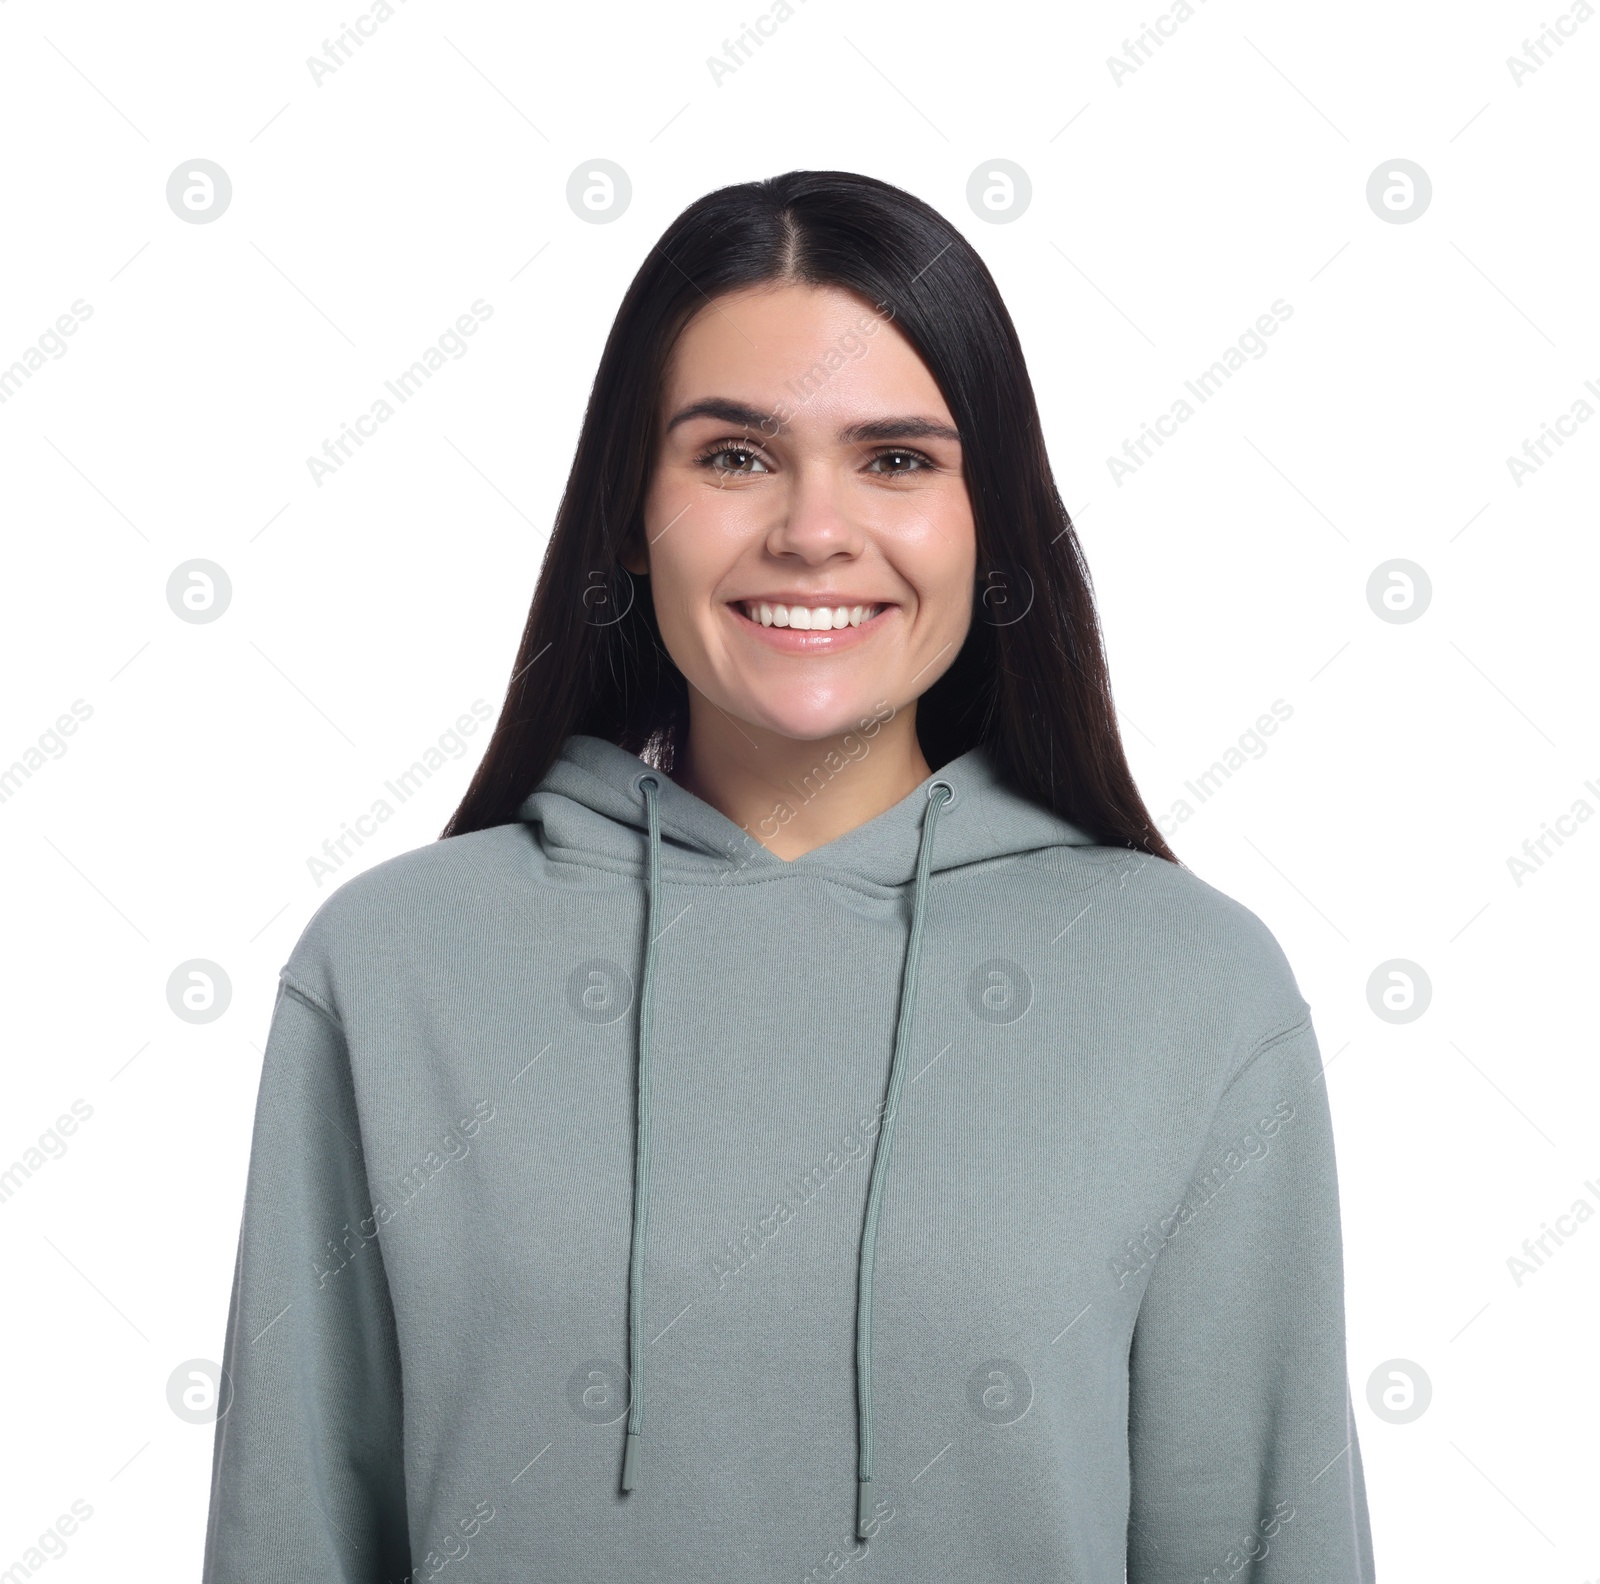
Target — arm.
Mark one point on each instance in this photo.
(1244, 1461)
(307, 1476)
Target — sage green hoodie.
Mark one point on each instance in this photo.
(954, 1202)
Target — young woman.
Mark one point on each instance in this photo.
(803, 1110)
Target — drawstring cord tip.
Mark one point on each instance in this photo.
(630, 1460)
(863, 1508)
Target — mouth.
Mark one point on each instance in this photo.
(806, 618)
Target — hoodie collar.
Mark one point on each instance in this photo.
(588, 807)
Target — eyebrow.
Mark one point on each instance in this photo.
(734, 412)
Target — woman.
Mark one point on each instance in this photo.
(803, 1109)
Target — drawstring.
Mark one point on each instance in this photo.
(651, 788)
(940, 793)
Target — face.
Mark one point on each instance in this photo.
(811, 548)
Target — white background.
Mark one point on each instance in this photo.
(1168, 211)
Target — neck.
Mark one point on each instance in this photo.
(792, 794)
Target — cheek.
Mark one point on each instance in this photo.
(947, 567)
(672, 585)
(688, 522)
(664, 524)
(686, 569)
(697, 536)
(956, 614)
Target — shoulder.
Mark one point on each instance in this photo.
(405, 908)
(1174, 941)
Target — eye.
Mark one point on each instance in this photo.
(901, 454)
(712, 457)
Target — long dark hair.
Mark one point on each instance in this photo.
(1030, 682)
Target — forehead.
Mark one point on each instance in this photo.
(770, 344)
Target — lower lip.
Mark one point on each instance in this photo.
(799, 640)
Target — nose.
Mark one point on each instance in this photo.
(813, 520)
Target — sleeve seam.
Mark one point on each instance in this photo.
(313, 1000)
(1265, 1043)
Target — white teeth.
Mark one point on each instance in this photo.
(806, 619)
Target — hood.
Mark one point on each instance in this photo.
(588, 805)
(603, 805)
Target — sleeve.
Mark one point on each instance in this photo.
(1244, 1461)
(307, 1473)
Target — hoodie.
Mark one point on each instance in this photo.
(954, 1202)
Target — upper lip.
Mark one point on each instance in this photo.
(818, 597)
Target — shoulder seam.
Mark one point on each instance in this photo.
(1267, 1041)
(314, 1001)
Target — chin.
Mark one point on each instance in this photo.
(811, 724)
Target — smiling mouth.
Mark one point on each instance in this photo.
(806, 618)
